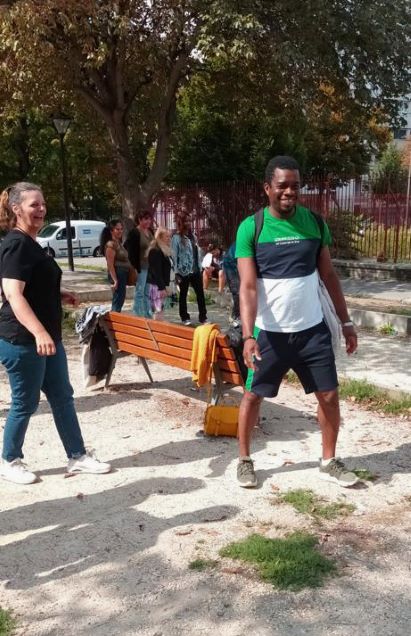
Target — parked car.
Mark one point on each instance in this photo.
(85, 238)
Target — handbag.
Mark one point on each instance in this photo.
(221, 420)
(132, 276)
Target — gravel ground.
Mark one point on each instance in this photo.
(109, 554)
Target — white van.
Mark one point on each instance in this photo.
(85, 238)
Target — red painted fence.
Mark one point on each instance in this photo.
(363, 223)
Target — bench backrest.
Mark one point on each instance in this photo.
(168, 343)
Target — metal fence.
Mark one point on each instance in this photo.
(363, 223)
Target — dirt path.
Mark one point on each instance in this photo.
(109, 555)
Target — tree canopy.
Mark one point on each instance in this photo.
(123, 66)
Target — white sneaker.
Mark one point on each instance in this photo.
(187, 323)
(16, 471)
(87, 464)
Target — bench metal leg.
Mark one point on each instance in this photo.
(218, 387)
(146, 368)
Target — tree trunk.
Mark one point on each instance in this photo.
(126, 171)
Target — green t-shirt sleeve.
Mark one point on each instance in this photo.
(245, 238)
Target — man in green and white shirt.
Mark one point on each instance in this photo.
(281, 314)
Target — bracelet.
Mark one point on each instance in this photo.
(248, 338)
(349, 323)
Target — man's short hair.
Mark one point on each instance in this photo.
(283, 162)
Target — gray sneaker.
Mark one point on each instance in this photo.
(246, 476)
(336, 472)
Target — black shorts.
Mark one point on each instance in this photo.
(308, 353)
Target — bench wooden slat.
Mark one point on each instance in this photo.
(157, 326)
(128, 320)
(143, 334)
(225, 354)
(157, 356)
(232, 378)
(174, 341)
(177, 352)
(228, 365)
(125, 319)
(125, 330)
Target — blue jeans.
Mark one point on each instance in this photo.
(141, 304)
(28, 374)
(119, 294)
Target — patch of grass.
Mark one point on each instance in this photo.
(375, 399)
(69, 320)
(306, 502)
(365, 474)
(290, 563)
(92, 268)
(202, 564)
(191, 297)
(368, 395)
(400, 311)
(359, 389)
(292, 378)
(7, 623)
(387, 330)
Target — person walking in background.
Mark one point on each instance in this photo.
(160, 271)
(137, 243)
(283, 325)
(118, 264)
(31, 349)
(233, 282)
(186, 258)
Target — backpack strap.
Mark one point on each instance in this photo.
(320, 223)
(259, 222)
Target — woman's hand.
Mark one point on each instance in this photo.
(69, 298)
(163, 293)
(45, 344)
(114, 285)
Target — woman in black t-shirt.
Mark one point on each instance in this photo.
(31, 349)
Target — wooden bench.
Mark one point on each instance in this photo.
(165, 342)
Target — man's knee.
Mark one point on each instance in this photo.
(251, 399)
(328, 399)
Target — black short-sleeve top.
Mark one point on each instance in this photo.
(22, 258)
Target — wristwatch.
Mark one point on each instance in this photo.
(248, 338)
(349, 323)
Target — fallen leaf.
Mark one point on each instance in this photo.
(216, 519)
(233, 570)
(183, 533)
(80, 496)
(275, 488)
(288, 462)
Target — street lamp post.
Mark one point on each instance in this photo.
(61, 124)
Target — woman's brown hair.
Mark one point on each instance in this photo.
(142, 214)
(13, 196)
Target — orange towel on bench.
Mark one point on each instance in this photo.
(204, 353)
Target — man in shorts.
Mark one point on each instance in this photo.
(281, 315)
